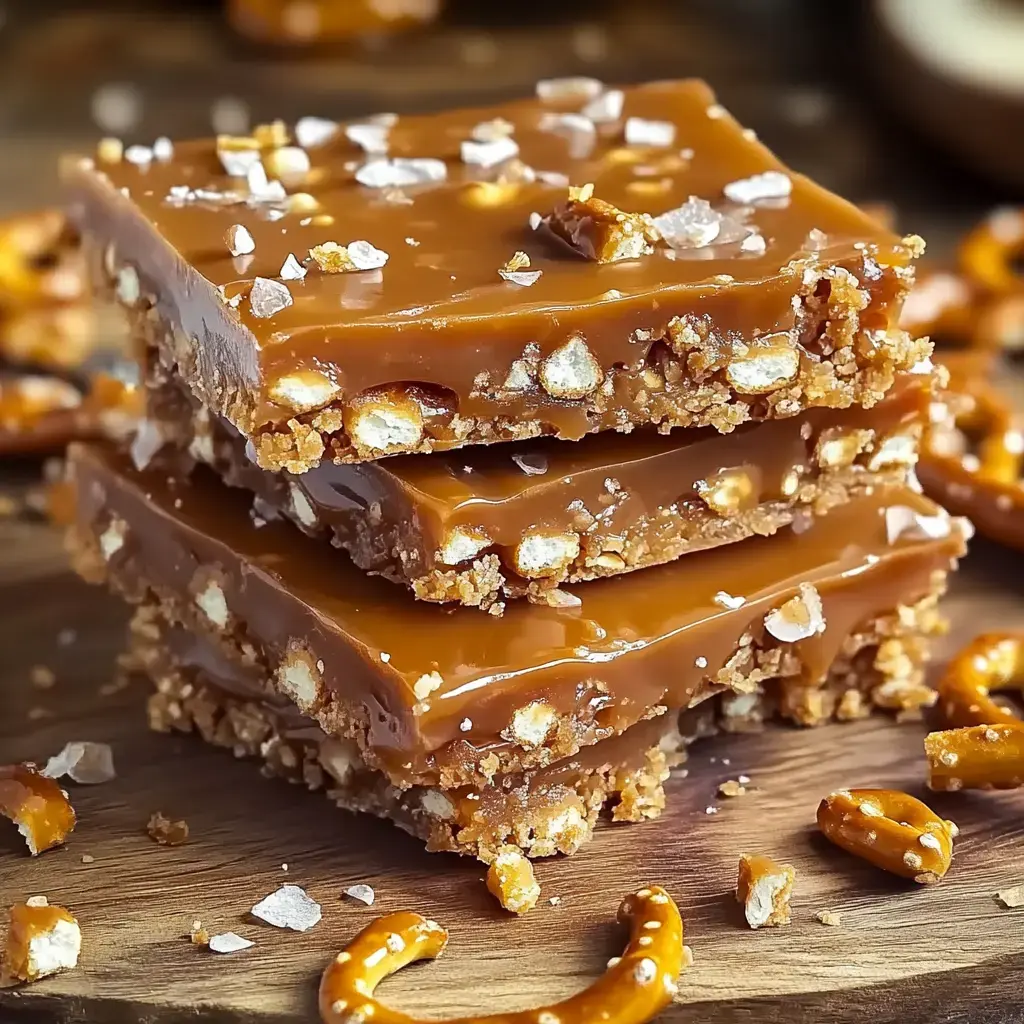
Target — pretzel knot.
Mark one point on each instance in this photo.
(892, 830)
(636, 986)
(990, 662)
(978, 757)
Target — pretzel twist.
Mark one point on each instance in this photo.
(990, 662)
(978, 757)
(892, 830)
(636, 986)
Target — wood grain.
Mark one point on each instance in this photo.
(929, 953)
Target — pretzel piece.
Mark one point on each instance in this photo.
(978, 757)
(37, 805)
(892, 830)
(41, 940)
(989, 251)
(39, 260)
(636, 986)
(992, 661)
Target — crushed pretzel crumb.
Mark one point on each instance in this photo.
(1013, 897)
(731, 787)
(166, 832)
(764, 888)
(42, 677)
(830, 917)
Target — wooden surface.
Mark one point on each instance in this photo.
(947, 952)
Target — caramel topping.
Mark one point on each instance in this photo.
(418, 671)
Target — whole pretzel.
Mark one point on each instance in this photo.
(988, 252)
(992, 661)
(892, 830)
(634, 989)
(978, 757)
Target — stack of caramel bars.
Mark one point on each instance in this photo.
(483, 449)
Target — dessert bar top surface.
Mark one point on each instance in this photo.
(446, 202)
(427, 668)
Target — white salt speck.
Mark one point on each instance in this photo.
(289, 907)
(163, 149)
(385, 657)
(728, 601)
(710, 810)
(754, 244)
(314, 131)
(412, 242)
(535, 220)
(641, 132)
(695, 223)
(362, 893)
(141, 156)
(292, 269)
(365, 256)
(466, 724)
(228, 942)
(267, 297)
(239, 240)
(489, 154)
(371, 138)
(83, 762)
(701, 662)
(523, 278)
(605, 108)
(769, 185)
(401, 172)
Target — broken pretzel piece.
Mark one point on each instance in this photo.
(636, 986)
(979, 757)
(511, 881)
(892, 830)
(41, 940)
(599, 231)
(37, 805)
(764, 888)
(992, 661)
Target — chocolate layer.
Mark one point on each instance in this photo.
(776, 297)
(489, 522)
(434, 693)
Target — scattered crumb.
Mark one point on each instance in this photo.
(166, 832)
(1012, 897)
(829, 917)
(555, 900)
(36, 713)
(88, 858)
(363, 893)
(198, 935)
(711, 809)
(289, 907)
(42, 677)
(284, 867)
(511, 881)
(687, 957)
(731, 787)
(764, 888)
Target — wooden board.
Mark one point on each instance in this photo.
(901, 952)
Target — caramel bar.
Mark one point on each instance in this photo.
(488, 522)
(591, 259)
(453, 696)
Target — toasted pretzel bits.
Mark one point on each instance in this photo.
(634, 989)
(41, 940)
(764, 887)
(37, 805)
(979, 757)
(892, 830)
(992, 661)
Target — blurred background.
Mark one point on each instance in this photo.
(917, 103)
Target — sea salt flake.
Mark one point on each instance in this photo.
(768, 185)
(400, 172)
(228, 942)
(262, 190)
(728, 601)
(557, 90)
(141, 156)
(238, 162)
(288, 907)
(83, 762)
(365, 256)
(239, 240)
(903, 521)
(362, 893)
(524, 278)
(163, 149)
(292, 269)
(754, 244)
(371, 138)
(568, 122)
(694, 224)
(314, 131)
(489, 154)
(641, 132)
(605, 108)
(267, 297)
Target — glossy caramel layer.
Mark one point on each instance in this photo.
(610, 503)
(436, 335)
(412, 678)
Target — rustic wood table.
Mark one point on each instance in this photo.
(948, 952)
